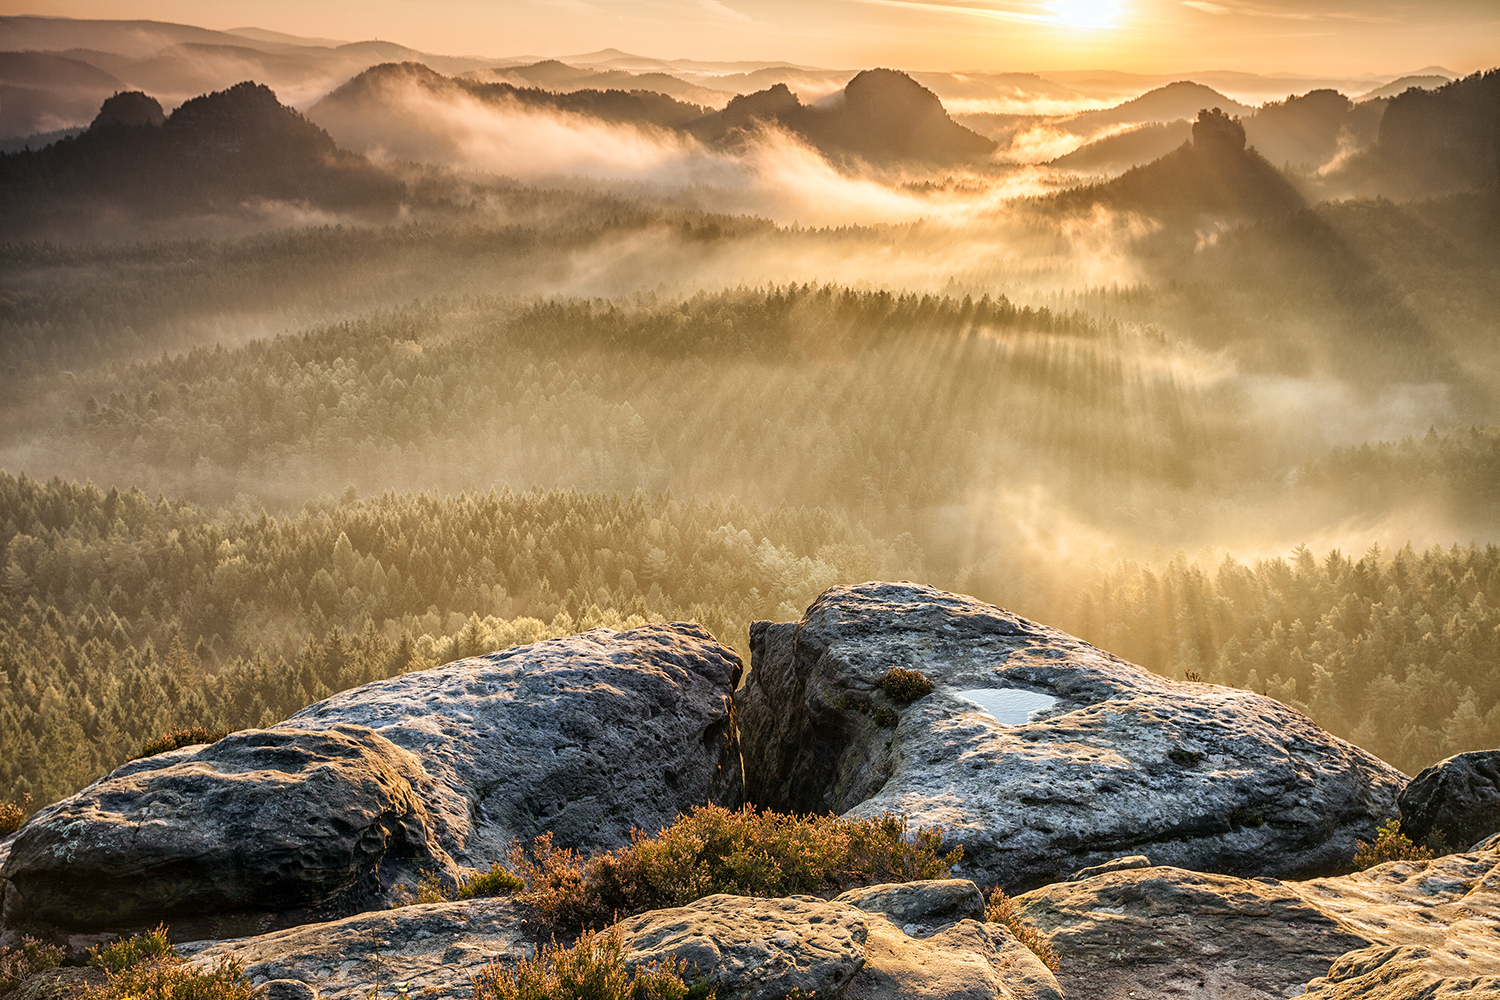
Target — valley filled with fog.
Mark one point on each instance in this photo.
(322, 362)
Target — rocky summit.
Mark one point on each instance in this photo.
(1166, 839)
(334, 810)
(1115, 761)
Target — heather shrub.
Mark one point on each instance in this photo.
(1000, 909)
(26, 959)
(13, 814)
(147, 967)
(177, 739)
(1390, 844)
(593, 969)
(174, 979)
(901, 684)
(713, 850)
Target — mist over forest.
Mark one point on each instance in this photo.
(324, 362)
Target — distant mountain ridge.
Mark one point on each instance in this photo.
(213, 154)
(881, 115)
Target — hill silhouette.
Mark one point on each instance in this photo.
(213, 154)
(1213, 174)
(1174, 102)
(1447, 138)
(1309, 131)
(881, 115)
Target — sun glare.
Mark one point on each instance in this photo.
(1095, 14)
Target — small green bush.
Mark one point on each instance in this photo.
(1001, 910)
(901, 684)
(1390, 844)
(26, 959)
(712, 850)
(177, 739)
(122, 953)
(593, 969)
(13, 815)
(495, 882)
(434, 888)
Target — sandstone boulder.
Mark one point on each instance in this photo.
(588, 737)
(852, 947)
(754, 949)
(303, 823)
(433, 947)
(1398, 931)
(1457, 799)
(1114, 761)
(335, 809)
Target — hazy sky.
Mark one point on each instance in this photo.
(1308, 36)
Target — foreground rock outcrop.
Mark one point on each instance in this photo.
(918, 940)
(333, 810)
(1120, 762)
(1399, 931)
(309, 824)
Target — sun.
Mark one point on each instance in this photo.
(1096, 14)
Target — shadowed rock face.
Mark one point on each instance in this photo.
(327, 813)
(310, 823)
(1127, 762)
(1457, 799)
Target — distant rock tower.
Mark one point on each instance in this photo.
(1216, 132)
(129, 108)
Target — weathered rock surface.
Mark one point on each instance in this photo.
(1398, 931)
(754, 949)
(1193, 775)
(303, 823)
(288, 989)
(1117, 865)
(1457, 799)
(589, 737)
(329, 812)
(436, 946)
(853, 947)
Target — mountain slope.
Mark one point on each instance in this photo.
(1213, 174)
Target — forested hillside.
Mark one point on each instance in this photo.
(123, 616)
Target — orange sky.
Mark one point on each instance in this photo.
(1322, 37)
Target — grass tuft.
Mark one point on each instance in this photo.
(495, 882)
(177, 739)
(1390, 844)
(593, 969)
(901, 684)
(122, 953)
(1000, 909)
